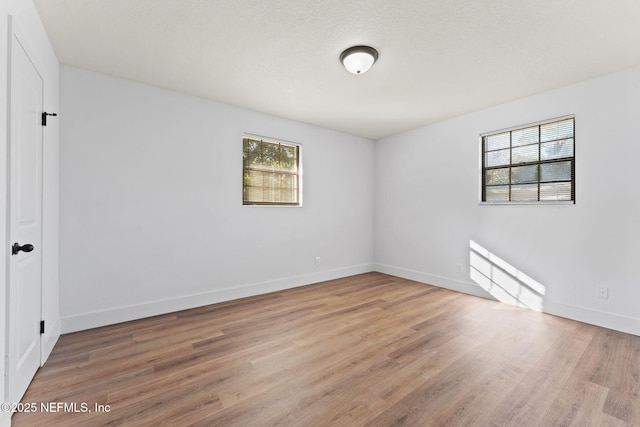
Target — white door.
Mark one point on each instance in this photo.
(25, 218)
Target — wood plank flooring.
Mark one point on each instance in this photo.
(367, 350)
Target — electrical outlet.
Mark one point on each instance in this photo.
(317, 260)
(459, 267)
(603, 292)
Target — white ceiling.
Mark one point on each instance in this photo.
(438, 58)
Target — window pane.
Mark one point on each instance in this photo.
(288, 157)
(270, 180)
(250, 152)
(269, 155)
(253, 178)
(497, 194)
(497, 176)
(268, 195)
(524, 193)
(524, 174)
(288, 181)
(555, 191)
(556, 130)
(288, 151)
(497, 158)
(528, 153)
(253, 194)
(556, 149)
(525, 136)
(560, 171)
(288, 195)
(496, 142)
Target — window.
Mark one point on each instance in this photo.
(530, 164)
(270, 172)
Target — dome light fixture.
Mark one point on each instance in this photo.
(358, 59)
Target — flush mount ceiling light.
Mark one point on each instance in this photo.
(358, 59)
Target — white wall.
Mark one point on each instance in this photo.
(151, 203)
(427, 204)
(27, 20)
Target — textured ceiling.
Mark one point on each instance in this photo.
(438, 59)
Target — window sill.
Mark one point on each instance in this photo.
(561, 203)
(269, 205)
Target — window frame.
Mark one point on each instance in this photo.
(510, 165)
(297, 174)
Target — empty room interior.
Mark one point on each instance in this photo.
(320, 213)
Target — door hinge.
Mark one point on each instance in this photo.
(44, 117)
(42, 326)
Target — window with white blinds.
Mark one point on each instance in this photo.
(533, 164)
(270, 173)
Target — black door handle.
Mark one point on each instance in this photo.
(24, 248)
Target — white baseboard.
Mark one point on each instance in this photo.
(604, 319)
(442, 282)
(581, 314)
(153, 308)
(52, 333)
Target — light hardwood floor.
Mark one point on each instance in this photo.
(367, 350)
